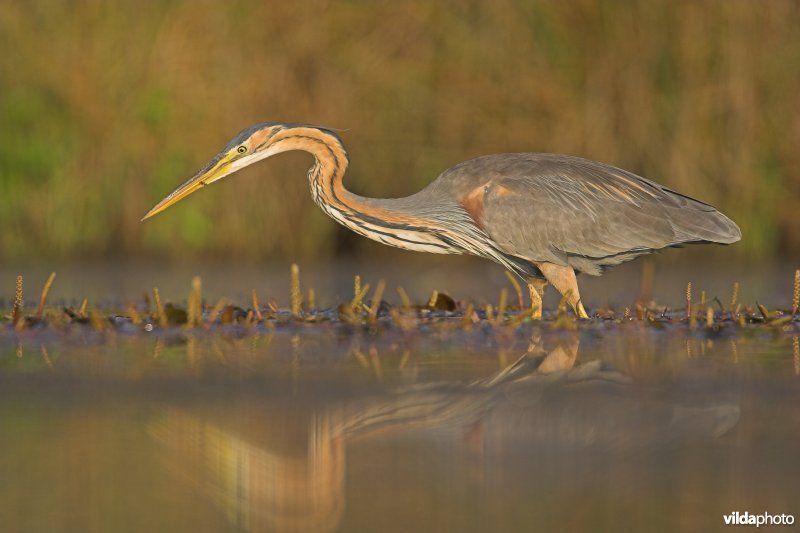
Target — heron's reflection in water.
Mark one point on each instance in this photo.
(279, 463)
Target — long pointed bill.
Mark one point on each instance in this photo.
(217, 168)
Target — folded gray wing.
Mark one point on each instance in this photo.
(568, 210)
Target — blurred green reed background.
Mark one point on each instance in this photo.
(106, 106)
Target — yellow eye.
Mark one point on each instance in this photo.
(242, 149)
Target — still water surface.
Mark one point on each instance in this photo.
(317, 428)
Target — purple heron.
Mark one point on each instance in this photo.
(544, 217)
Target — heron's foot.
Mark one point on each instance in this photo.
(563, 279)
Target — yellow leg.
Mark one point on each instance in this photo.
(536, 287)
(563, 279)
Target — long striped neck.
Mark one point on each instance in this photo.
(330, 163)
(418, 222)
(386, 221)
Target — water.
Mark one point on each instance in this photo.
(325, 427)
(321, 428)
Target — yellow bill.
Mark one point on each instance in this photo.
(217, 168)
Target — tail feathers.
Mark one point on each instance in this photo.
(704, 226)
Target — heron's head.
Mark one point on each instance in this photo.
(250, 145)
